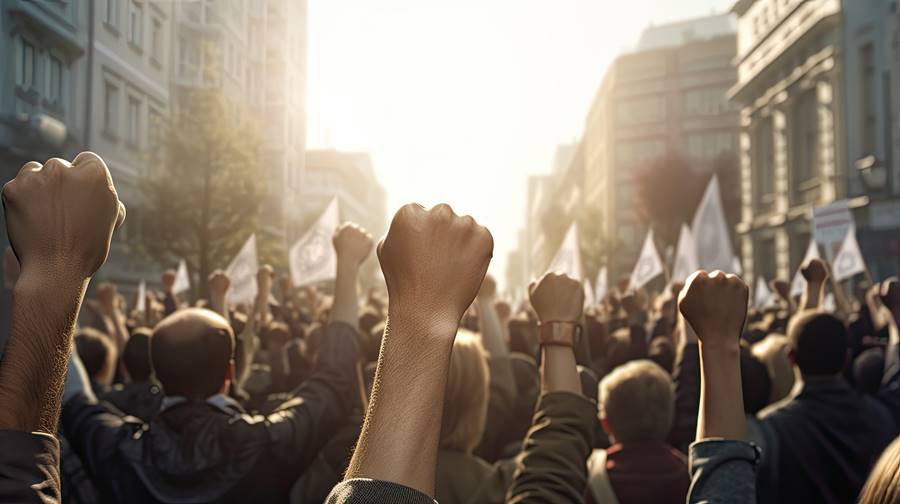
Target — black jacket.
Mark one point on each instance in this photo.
(200, 452)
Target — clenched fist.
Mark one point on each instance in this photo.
(557, 298)
(434, 262)
(352, 243)
(218, 283)
(265, 275)
(715, 305)
(815, 271)
(60, 216)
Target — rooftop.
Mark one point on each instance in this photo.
(684, 32)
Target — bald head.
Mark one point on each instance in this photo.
(191, 351)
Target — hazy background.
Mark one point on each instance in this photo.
(459, 101)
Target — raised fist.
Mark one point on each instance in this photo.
(218, 283)
(504, 311)
(889, 294)
(782, 288)
(715, 305)
(352, 243)
(107, 295)
(60, 216)
(434, 262)
(815, 271)
(488, 288)
(264, 277)
(557, 298)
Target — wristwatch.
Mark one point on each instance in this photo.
(559, 333)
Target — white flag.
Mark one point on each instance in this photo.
(182, 281)
(141, 305)
(849, 261)
(589, 300)
(568, 259)
(685, 256)
(242, 272)
(710, 231)
(762, 297)
(799, 283)
(313, 258)
(648, 266)
(828, 303)
(601, 285)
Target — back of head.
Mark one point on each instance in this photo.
(136, 354)
(883, 486)
(773, 352)
(637, 402)
(97, 353)
(819, 343)
(191, 351)
(756, 385)
(868, 370)
(466, 397)
(662, 352)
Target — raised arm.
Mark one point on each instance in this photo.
(353, 245)
(559, 302)
(60, 218)
(889, 294)
(815, 271)
(433, 262)
(218, 285)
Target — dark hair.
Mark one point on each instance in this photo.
(755, 383)
(192, 356)
(94, 349)
(819, 342)
(868, 369)
(662, 352)
(136, 354)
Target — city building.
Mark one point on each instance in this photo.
(814, 87)
(668, 97)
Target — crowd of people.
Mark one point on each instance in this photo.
(431, 388)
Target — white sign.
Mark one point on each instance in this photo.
(313, 258)
(849, 261)
(830, 225)
(182, 280)
(568, 259)
(242, 272)
(648, 266)
(711, 233)
(799, 283)
(685, 256)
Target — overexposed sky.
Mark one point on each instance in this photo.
(459, 101)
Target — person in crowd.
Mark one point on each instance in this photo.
(636, 404)
(820, 445)
(773, 351)
(202, 446)
(141, 395)
(100, 357)
(883, 486)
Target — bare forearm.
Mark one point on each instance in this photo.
(400, 436)
(721, 412)
(33, 368)
(812, 296)
(558, 370)
(218, 304)
(346, 299)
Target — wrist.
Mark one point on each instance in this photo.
(435, 327)
(725, 349)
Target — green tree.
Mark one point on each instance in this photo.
(203, 188)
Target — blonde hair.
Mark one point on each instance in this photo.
(466, 396)
(883, 486)
(637, 401)
(773, 352)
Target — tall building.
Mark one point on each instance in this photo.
(667, 97)
(814, 85)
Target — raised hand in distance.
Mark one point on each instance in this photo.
(352, 243)
(715, 305)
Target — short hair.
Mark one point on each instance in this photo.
(638, 402)
(820, 343)
(756, 385)
(868, 370)
(773, 352)
(662, 352)
(191, 351)
(136, 355)
(466, 396)
(883, 486)
(97, 353)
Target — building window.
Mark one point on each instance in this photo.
(805, 139)
(710, 146)
(111, 109)
(642, 110)
(26, 76)
(867, 92)
(155, 129)
(156, 40)
(135, 23)
(54, 80)
(111, 15)
(763, 166)
(706, 101)
(134, 121)
(640, 151)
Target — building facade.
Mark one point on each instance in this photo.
(814, 87)
(668, 97)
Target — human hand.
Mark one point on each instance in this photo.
(60, 216)
(782, 288)
(815, 271)
(504, 311)
(434, 262)
(352, 243)
(10, 269)
(889, 295)
(557, 298)
(264, 277)
(715, 305)
(107, 297)
(218, 284)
